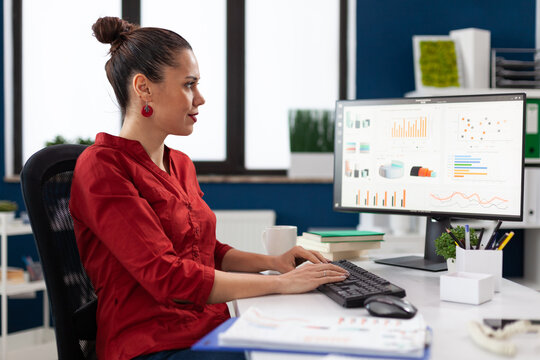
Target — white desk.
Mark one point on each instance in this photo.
(448, 320)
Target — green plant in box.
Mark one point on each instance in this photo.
(445, 245)
(438, 63)
(311, 130)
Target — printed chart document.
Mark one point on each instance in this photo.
(345, 335)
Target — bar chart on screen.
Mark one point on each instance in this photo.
(410, 127)
(384, 198)
(469, 166)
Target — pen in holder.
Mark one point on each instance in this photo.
(481, 261)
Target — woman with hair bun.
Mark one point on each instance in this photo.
(145, 235)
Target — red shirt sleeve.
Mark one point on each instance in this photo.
(107, 207)
(219, 253)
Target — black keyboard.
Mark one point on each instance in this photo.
(360, 285)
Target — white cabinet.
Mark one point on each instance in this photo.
(9, 228)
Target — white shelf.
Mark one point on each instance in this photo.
(17, 227)
(531, 93)
(22, 288)
(10, 227)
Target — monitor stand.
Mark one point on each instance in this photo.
(431, 261)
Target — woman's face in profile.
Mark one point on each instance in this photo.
(176, 99)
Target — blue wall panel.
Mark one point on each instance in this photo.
(385, 28)
(303, 205)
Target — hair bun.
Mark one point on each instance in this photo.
(109, 29)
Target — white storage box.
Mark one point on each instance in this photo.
(475, 49)
(469, 288)
(481, 261)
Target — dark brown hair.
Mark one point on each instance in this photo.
(135, 49)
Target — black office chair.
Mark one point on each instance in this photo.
(46, 187)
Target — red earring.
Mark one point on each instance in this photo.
(147, 110)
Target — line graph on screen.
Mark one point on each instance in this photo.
(463, 200)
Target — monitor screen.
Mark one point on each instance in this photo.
(458, 156)
(455, 156)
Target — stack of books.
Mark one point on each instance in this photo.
(337, 245)
(14, 275)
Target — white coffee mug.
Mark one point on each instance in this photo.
(279, 239)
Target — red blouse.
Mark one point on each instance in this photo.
(145, 238)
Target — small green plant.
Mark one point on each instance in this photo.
(311, 130)
(83, 141)
(59, 139)
(6, 205)
(445, 245)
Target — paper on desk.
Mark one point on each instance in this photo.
(348, 335)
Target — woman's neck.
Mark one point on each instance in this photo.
(151, 141)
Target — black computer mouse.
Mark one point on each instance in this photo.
(389, 306)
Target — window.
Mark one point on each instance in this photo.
(242, 79)
(43, 98)
(292, 62)
(65, 90)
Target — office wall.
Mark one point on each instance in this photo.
(384, 66)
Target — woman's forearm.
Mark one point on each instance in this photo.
(230, 286)
(241, 261)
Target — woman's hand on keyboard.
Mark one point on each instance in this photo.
(309, 276)
(297, 255)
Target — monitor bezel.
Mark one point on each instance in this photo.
(338, 154)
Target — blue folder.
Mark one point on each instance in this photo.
(211, 343)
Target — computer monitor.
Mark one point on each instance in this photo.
(440, 157)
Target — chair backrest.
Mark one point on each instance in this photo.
(46, 187)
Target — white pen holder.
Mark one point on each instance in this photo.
(481, 261)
